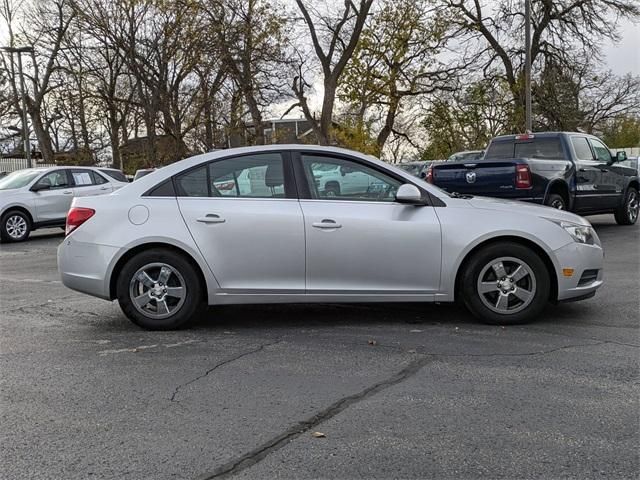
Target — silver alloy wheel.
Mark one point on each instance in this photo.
(506, 285)
(330, 193)
(16, 226)
(157, 290)
(558, 204)
(633, 205)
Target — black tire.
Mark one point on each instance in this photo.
(555, 200)
(15, 226)
(332, 190)
(627, 213)
(186, 310)
(481, 263)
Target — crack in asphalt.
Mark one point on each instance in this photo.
(261, 452)
(258, 454)
(35, 305)
(488, 355)
(218, 365)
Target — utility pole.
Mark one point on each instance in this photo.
(25, 125)
(527, 65)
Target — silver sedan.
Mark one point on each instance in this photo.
(257, 225)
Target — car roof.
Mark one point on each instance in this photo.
(501, 138)
(145, 183)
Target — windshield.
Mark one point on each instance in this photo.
(18, 179)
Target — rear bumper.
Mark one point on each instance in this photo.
(83, 267)
(580, 258)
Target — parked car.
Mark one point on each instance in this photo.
(142, 173)
(567, 171)
(337, 180)
(417, 169)
(115, 174)
(409, 242)
(466, 156)
(40, 197)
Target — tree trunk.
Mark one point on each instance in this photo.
(324, 137)
(44, 139)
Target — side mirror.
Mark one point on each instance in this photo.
(621, 156)
(40, 186)
(410, 194)
(423, 174)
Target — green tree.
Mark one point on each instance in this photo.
(622, 132)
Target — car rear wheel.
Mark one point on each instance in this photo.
(505, 284)
(557, 201)
(15, 227)
(160, 290)
(627, 213)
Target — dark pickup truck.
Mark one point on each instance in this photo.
(569, 171)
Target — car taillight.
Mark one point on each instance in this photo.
(429, 176)
(76, 217)
(523, 176)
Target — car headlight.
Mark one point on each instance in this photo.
(580, 233)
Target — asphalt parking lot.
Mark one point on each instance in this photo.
(399, 391)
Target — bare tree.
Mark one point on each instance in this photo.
(249, 40)
(334, 40)
(559, 28)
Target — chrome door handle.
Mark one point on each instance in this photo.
(104, 188)
(327, 223)
(67, 192)
(211, 218)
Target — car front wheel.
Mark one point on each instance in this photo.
(160, 290)
(505, 283)
(15, 227)
(627, 213)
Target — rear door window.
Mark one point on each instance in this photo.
(581, 148)
(82, 178)
(250, 176)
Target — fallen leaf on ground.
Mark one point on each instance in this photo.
(372, 342)
(318, 435)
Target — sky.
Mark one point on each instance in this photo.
(625, 56)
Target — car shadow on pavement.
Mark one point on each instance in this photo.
(324, 315)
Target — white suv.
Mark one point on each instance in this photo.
(40, 197)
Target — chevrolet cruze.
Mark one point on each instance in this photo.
(174, 241)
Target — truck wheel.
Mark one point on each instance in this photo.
(627, 213)
(554, 200)
(15, 226)
(505, 284)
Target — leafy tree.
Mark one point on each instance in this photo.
(395, 60)
(622, 132)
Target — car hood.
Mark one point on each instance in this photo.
(525, 208)
(7, 195)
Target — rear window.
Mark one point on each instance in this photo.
(502, 149)
(116, 175)
(543, 148)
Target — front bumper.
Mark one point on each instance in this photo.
(581, 258)
(83, 267)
